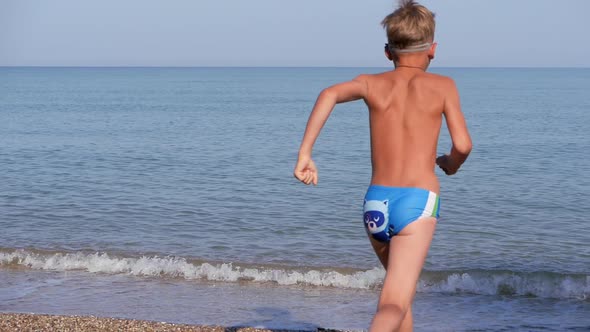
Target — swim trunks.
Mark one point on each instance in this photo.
(387, 210)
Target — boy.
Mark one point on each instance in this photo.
(406, 106)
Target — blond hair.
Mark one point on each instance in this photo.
(409, 25)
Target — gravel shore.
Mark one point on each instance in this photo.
(35, 322)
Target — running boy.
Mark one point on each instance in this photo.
(406, 106)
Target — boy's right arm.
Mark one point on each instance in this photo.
(305, 170)
(451, 162)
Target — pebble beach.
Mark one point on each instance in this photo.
(37, 322)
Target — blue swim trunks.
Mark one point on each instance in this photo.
(387, 210)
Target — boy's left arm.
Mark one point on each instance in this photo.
(305, 169)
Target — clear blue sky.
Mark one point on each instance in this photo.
(284, 33)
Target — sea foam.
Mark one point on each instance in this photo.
(506, 283)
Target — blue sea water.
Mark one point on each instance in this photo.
(134, 192)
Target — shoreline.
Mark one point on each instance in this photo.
(17, 322)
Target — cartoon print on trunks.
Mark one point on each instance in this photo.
(376, 217)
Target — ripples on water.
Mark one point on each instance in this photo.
(197, 162)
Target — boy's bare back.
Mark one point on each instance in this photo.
(406, 108)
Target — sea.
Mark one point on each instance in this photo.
(168, 194)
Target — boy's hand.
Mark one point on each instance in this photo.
(305, 171)
(446, 164)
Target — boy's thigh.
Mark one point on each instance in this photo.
(407, 252)
(381, 250)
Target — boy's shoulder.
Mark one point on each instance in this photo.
(390, 74)
(441, 81)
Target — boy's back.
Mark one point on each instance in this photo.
(406, 107)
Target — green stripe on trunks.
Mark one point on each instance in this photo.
(435, 210)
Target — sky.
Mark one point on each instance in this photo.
(470, 33)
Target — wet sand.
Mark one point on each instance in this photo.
(38, 322)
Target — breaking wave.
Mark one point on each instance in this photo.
(480, 282)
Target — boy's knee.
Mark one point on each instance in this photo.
(392, 309)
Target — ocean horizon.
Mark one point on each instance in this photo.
(288, 66)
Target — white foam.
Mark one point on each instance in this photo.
(179, 267)
(541, 284)
(546, 285)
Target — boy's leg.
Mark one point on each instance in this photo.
(382, 251)
(407, 324)
(407, 252)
